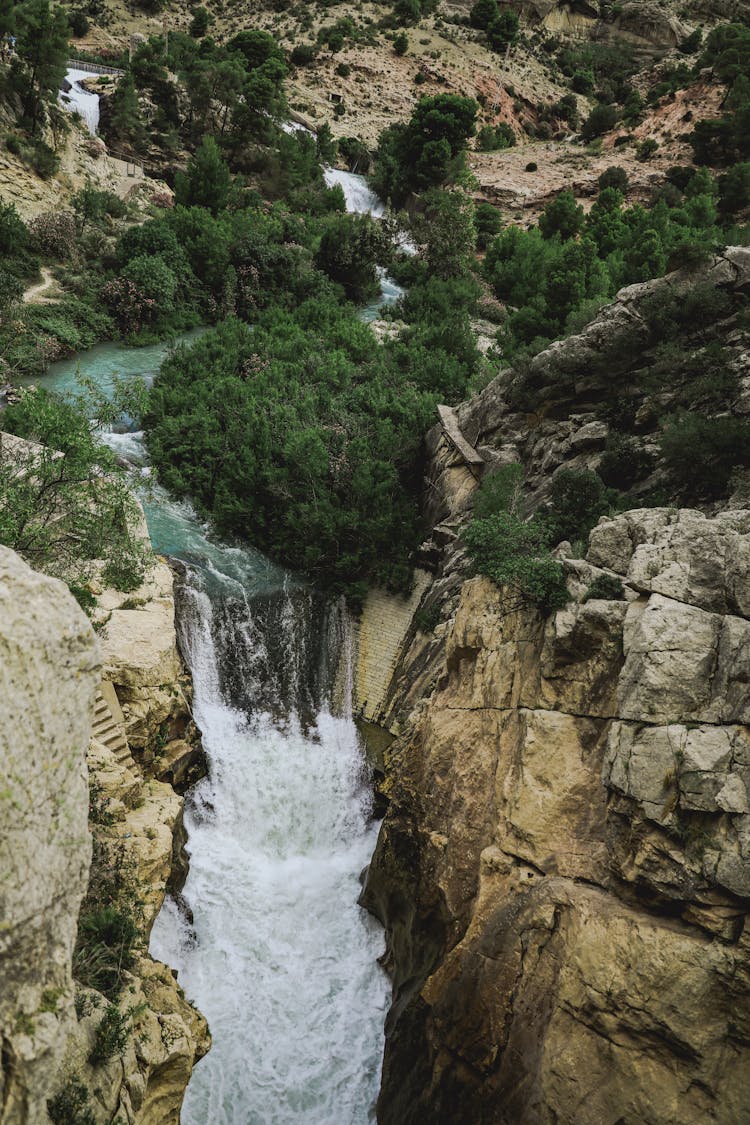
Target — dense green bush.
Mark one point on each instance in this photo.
(502, 32)
(300, 436)
(515, 555)
(69, 504)
(614, 177)
(489, 222)
(577, 499)
(624, 462)
(206, 181)
(492, 138)
(601, 119)
(111, 1036)
(426, 152)
(606, 586)
(351, 247)
(701, 453)
(71, 1105)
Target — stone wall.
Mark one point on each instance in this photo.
(51, 665)
(380, 633)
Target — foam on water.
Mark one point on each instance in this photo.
(358, 195)
(279, 956)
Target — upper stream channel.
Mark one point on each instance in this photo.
(268, 939)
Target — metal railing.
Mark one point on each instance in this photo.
(93, 68)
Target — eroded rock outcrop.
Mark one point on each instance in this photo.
(49, 669)
(563, 869)
(145, 744)
(89, 759)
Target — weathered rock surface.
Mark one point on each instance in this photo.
(140, 819)
(563, 869)
(49, 669)
(50, 672)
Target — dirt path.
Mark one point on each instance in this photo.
(35, 293)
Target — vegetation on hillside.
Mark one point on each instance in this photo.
(289, 423)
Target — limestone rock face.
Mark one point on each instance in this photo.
(49, 664)
(563, 869)
(139, 654)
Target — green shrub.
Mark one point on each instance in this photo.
(499, 491)
(614, 177)
(646, 149)
(105, 948)
(401, 43)
(79, 24)
(492, 138)
(70, 1105)
(303, 55)
(608, 587)
(624, 462)
(427, 618)
(601, 119)
(111, 1036)
(514, 554)
(582, 81)
(44, 160)
(483, 13)
(531, 167)
(154, 280)
(199, 23)
(502, 32)
(577, 499)
(489, 222)
(701, 453)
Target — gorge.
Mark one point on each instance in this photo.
(374, 614)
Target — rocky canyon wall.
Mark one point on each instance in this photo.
(563, 868)
(101, 725)
(49, 666)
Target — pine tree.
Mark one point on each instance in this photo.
(42, 47)
(206, 181)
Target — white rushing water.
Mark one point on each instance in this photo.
(275, 950)
(278, 955)
(80, 100)
(358, 195)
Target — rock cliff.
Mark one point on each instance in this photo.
(562, 870)
(66, 1047)
(49, 667)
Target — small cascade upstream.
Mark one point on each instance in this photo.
(81, 101)
(361, 199)
(358, 195)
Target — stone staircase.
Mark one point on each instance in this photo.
(108, 724)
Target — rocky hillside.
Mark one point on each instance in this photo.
(562, 870)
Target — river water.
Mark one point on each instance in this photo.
(275, 950)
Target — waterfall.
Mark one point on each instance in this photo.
(268, 939)
(277, 953)
(358, 195)
(361, 199)
(79, 100)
